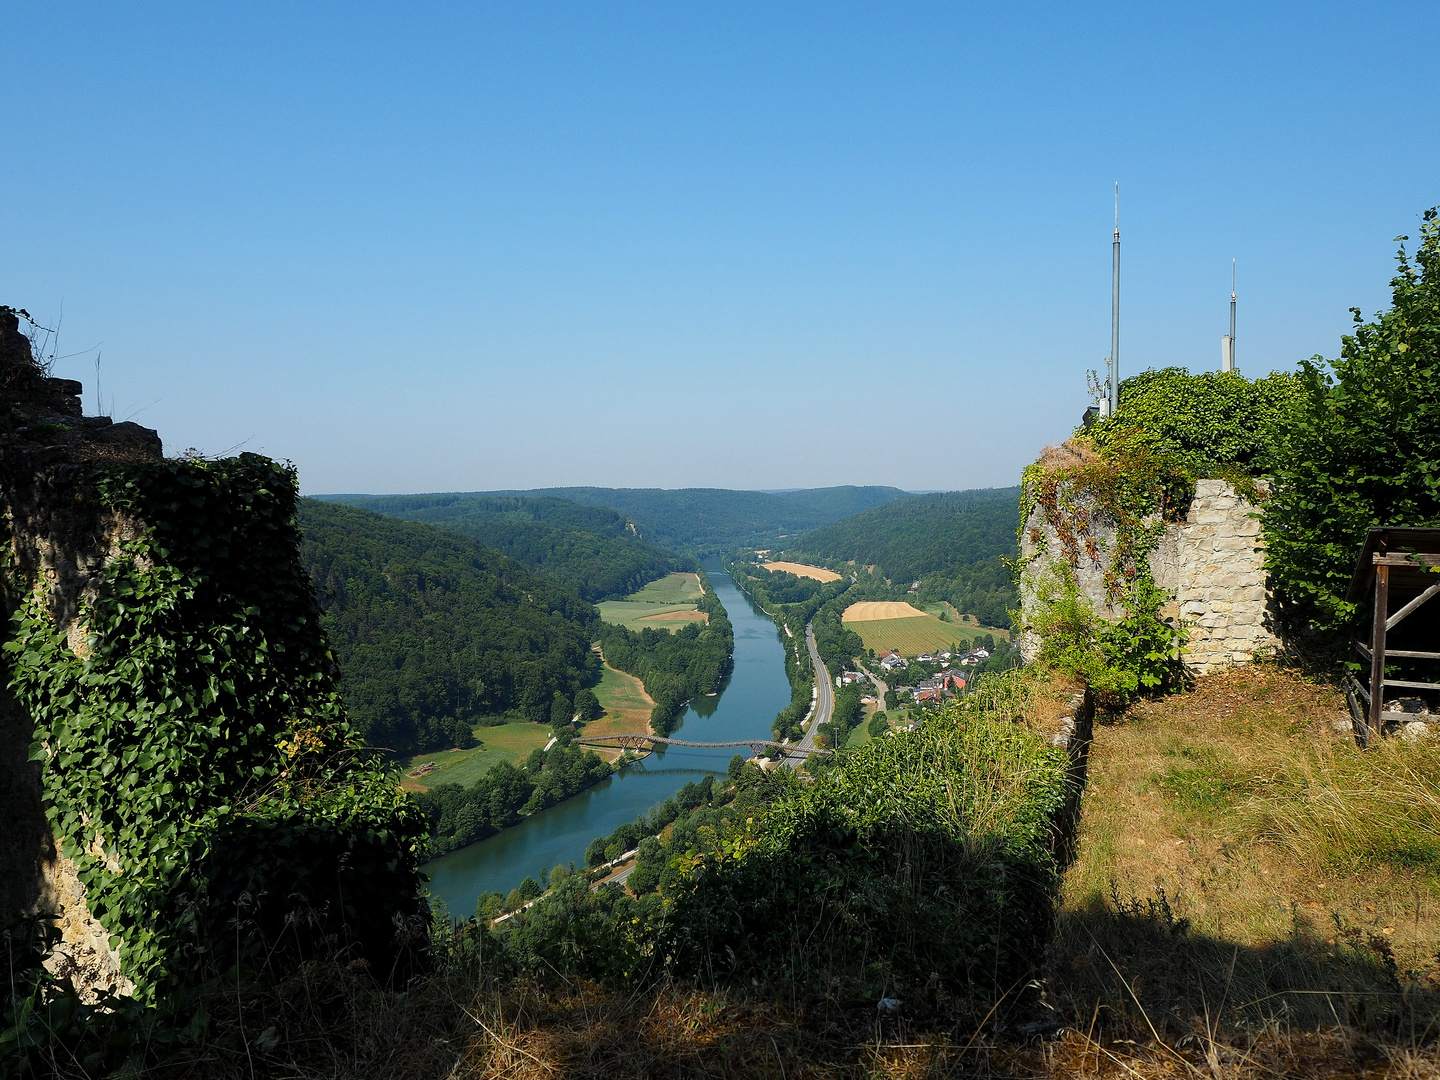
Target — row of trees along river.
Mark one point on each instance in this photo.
(748, 700)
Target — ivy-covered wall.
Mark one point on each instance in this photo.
(1209, 565)
(204, 796)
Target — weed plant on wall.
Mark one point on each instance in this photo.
(198, 766)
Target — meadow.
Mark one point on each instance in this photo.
(505, 742)
(627, 707)
(911, 636)
(665, 604)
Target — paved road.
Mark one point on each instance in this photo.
(824, 701)
(880, 687)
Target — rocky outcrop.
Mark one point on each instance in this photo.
(57, 541)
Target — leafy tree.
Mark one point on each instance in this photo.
(587, 705)
(530, 888)
(1362, 448)
(879, 725)
(1216, 422)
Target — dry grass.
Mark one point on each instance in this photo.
(874, 610)
(1235, 911)
(1242, 867)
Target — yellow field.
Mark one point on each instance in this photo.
(872, 610)
(910, 637)
(799, 569)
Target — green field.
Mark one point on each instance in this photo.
(627, 706)
(673, 596)
(965, 622)
(909, 637)
(506, 742)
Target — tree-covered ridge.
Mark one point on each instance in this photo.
(696, 521)
(675, 666)
(434, 631)
(953, 543)
(590, 549)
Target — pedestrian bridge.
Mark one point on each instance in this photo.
(647, 742)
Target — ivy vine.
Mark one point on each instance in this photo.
(198, 766)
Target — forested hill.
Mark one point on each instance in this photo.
(952, 543)
(698, 521)
(434, 631)
(590, 549)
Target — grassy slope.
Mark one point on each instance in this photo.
(504, 742)
(675, 593)
(1296, 862)
(909, 637)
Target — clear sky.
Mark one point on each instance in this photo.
(454, 247)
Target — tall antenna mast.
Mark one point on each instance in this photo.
(1227, 343)
(1115, 312)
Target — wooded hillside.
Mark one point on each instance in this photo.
(434, 631)
(952, 543)
(701, 521)
(591, 549)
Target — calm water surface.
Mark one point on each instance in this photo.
(748, 701)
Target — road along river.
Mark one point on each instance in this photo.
(754, 692)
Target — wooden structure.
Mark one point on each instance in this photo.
(1401, 569)
(644, 742)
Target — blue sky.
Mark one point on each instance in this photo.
(441, 247)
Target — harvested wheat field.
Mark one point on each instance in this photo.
(875, 610)
(801, 570)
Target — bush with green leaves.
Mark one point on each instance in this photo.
(197, 764)
(1363, 448)
(1216, 424)
(1134, 655)
(920, 864)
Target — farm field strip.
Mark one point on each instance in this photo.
(665, 604)
(505, 742)
(911, 636)
(803, 570)
(627, 707)
(874, 610)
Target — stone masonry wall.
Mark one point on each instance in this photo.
(1211, 563)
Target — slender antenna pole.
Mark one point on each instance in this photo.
(1115, 312)
(1232, 313)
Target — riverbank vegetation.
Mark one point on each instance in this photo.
(462, 815)
(675, 666)
(436, 633)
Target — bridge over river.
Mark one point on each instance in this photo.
(638, 742)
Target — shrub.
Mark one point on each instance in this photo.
(1362, 448)
(920, 863)
(1215, 423)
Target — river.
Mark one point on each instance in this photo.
(755, 690)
